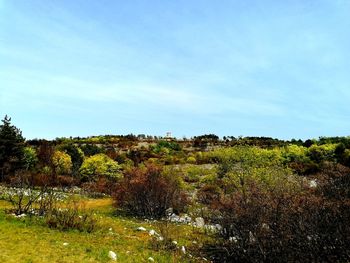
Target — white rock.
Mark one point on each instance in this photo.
(183, 250)
(169, 211)
(200, 222)
(150, 259)
(141, 228)
(160, 238)
(65, 244)
(313, 184)
(152, 232)
(112, 255)
(174, 242)
(233, 239)
(110, 229)
(21, 215)
(265, 226)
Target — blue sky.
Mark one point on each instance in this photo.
(251, 68)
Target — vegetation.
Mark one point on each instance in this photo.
(245, 199)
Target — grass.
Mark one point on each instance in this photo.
(29, 240)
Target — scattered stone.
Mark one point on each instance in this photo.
(110, 229)
(160, 238)
(200, 222)
(112, 255)
(183, 250)
(213, 228)
(313, 184)
(65, 244)
(265, 226)
(152, 233)
(21, 215)
(169, 211)
(233, 239)
(150, 259)
(141, 228)
(174, 242)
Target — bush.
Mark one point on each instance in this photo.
(24, 198)
(99, 188)
(280, 226)
(148, 191)
(99, 165)
(71, 217)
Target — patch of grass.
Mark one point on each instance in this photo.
(28, 240)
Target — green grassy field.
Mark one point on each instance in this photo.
(30, 240)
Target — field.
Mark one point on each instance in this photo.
(28, 240)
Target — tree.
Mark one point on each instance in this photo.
(99, 165)
(76, 154)
(30, 158)
(11, 147)
(62, 162)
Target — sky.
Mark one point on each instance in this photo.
(241, 68)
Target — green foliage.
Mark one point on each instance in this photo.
(295, 153)
(76, 154)
(62, 162)
(197, 173)
(320, 153)
(165, 147)
(30, 158)
(99, 165)
(238, 166)
(191, 159)
(71, 218)
(11, 147)
(91, 149)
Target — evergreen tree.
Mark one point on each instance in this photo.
(11, 147)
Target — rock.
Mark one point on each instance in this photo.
(313, 184)
(169, 211)
(112, 255)
(65, 244)
(141, 228)
(152, 233)
(183, 250)
(160, 238)
(200, 222)
(174, 242)
(150, 259)
(110, 229)
(233, 239)
(265, 226)
(21, 215)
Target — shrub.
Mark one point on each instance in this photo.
(62, 162)
(99, 165)
(191, 159)
(25, 198)
(280, 225)
(99, 188)
(148, 191)
(72, 217)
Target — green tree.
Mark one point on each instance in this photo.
(30, 158)
(11, 147)
(62, 162)
(99, 165)
(76, 154)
